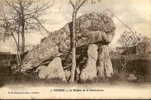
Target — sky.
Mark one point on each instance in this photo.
(135, 13)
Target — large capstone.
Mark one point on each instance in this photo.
(90, 28)
(53, 71)
(89, 73)
(104, 67)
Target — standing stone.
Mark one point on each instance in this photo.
(56, 69)
(67, 74)
(53, 71)
(90, 72)
(42, 72)
(104, 62)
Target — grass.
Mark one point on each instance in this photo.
(142, 68)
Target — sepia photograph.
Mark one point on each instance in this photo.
(75, 49)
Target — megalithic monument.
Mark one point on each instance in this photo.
(90, 28)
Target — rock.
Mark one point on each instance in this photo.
(122, 76)
(77, 77)
(42, 72)
(53, 71)
(89, 72)
(104, 67)
(67, 74)
(56, 69)
(91, 28)
(132, 77)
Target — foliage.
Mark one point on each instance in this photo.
(129, 39)
(18, 17)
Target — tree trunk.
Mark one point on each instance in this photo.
(18, 45)
(23, 41)
(18, 60)
(73, 47)
(23, 28)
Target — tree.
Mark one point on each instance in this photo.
(76, 5)
(20, 17)
(129, 39)
(6, 30)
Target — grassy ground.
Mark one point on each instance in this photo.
(7, 78)
(21, 80)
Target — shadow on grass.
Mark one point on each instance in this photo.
(19, 78)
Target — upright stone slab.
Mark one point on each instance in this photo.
(53, 71)
(89, 72)
(56, 69)
(42, 72)
(104, 67)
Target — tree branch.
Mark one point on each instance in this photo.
(12, 5)
(81, 4)
(72, 4)
(42, 25)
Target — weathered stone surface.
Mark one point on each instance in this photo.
(132, 77)
(53, 71)
(104, 67)
(42, 72)
(90, 72)
(91, 28)
(67, 74)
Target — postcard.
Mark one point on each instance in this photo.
(75, 49)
